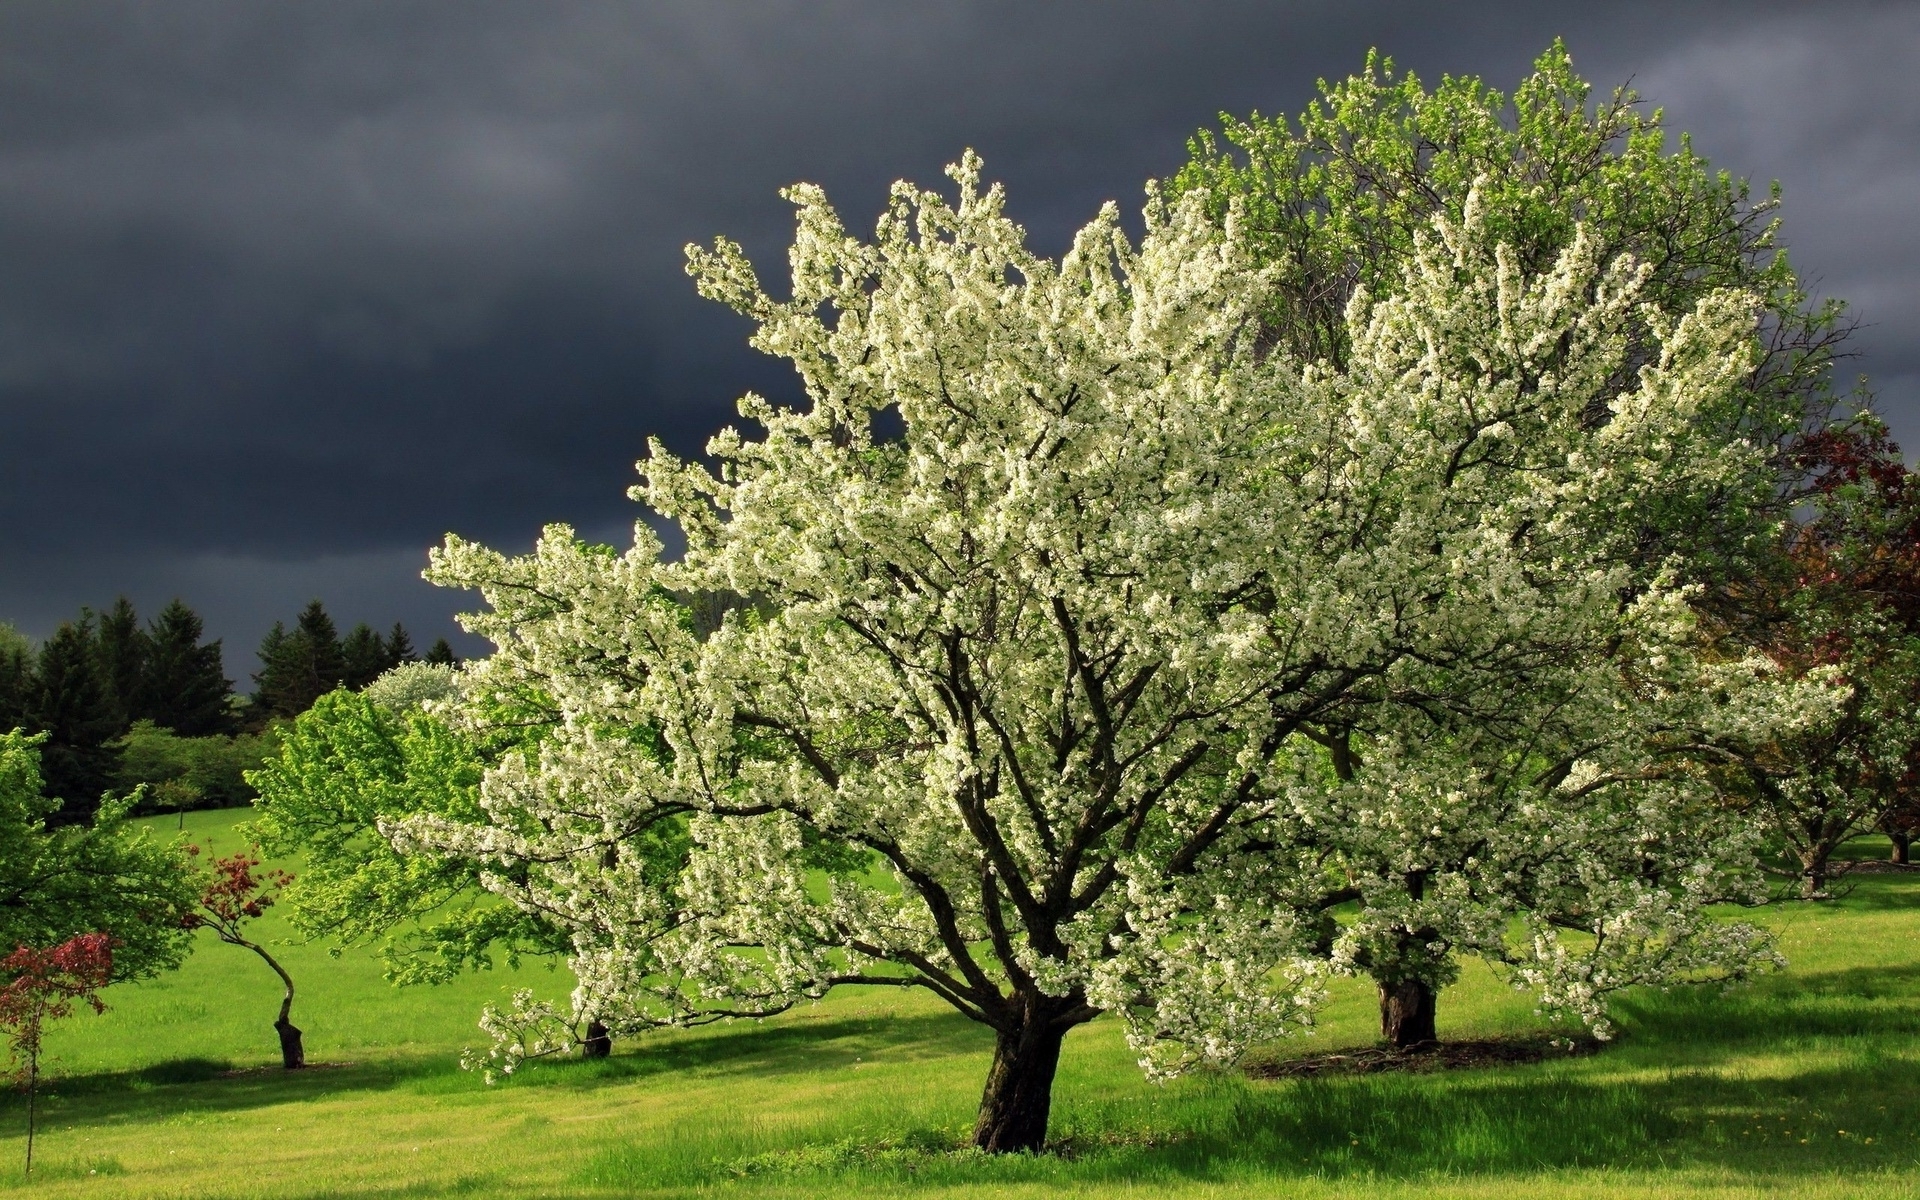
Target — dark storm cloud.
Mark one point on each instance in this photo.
(287, 291)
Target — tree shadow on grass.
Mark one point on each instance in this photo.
(1507, 1123)
(1658, 1100)
(207, 1085)
(1693, 1025)
(775, 1049)
(771, 1050)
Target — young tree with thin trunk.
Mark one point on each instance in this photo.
(42, 986)
(1025, 699)
(233, 892)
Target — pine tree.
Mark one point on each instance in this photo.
(364, 655)
(122, 650)
(274, 682)
(16, 677)
(442, 653)
(329, 664)
(400, 647)
(71, 705)
(185, 688)
(298, 667)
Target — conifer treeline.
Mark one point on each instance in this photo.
(95, 677)
(100, 675)
(302, 664)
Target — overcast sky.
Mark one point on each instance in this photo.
(287, 291)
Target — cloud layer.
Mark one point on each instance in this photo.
(288, 291)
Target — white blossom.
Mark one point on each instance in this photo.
(1138, 652)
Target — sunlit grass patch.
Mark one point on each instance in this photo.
(1802, 1084)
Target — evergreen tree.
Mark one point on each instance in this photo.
(185, 688)
(71, 705)
(16, 677)
(329, 664)
(298, 667)
(274, 683)
(400, 647)
(442, 653)
(364, 654)
(122, 650)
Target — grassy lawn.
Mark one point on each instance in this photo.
(1802, 1085)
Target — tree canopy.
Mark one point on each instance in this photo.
(102, 876)
(1056, 687)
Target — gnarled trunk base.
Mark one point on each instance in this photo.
(293, 1055)
(1406, 1013)
(1019, 1094)
(1902, 845)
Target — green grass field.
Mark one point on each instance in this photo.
(1802, 1085)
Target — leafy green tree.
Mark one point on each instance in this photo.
(345, 767)
(185, 688)
(189, 773)
(124, 651)
(71, 705)
(1336, 198)
(441, 653)
(103, 876)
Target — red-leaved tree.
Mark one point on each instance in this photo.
(1844, 599)
(233, 892)
(43, 986)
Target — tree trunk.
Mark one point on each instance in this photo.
(33, 1090)
(1813, 878)
(293, 1055)
(599, 1043)
(1019, 1092)
(1406, 1013)
(1902, 846)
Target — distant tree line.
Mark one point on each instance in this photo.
(302, 664)
(120, 702)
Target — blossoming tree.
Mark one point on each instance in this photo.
(1449, 814)
(1031, 704)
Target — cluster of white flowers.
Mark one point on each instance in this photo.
(411, 686)
(1140, 651)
